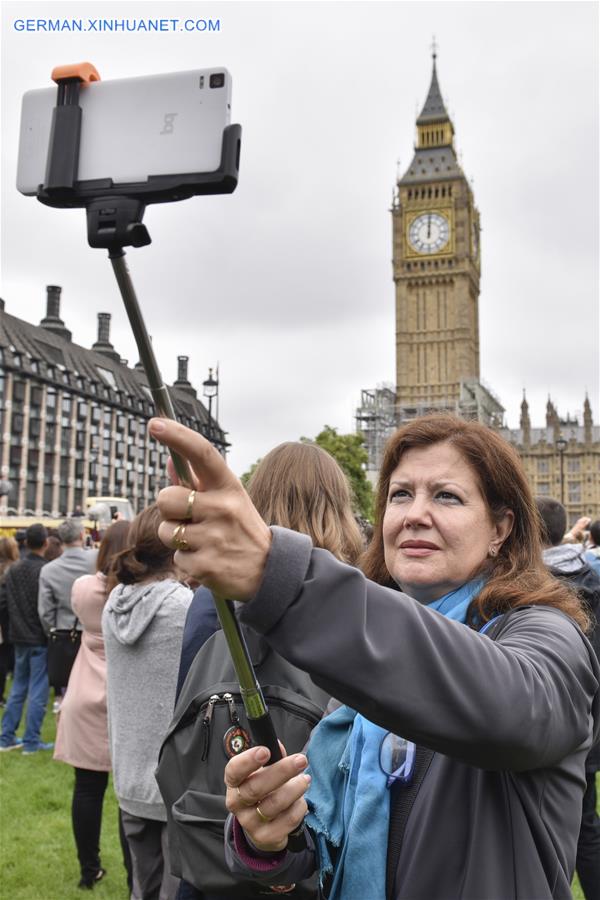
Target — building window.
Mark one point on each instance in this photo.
(543, 466)
(543, 489)
(573, 465)
(575, 492)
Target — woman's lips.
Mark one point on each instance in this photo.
(418, 548)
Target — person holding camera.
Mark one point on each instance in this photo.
(457, 766)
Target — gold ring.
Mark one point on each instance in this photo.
(190, 505)
(241, 799)
(178, 540)
(262, 816)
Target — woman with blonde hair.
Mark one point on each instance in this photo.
(300, 486)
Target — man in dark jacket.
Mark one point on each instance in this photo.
(567, 561)
(19, 594)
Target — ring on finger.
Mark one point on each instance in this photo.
(190, 506)
(262, 816)
(178, 540)
(241, 799)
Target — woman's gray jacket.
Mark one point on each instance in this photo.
(511, 722)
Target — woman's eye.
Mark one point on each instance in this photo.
(398, 495)
(448, 497)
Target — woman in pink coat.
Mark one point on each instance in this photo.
(82, 734)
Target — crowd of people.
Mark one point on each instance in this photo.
(435, 681)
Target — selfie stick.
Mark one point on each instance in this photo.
(114, 222)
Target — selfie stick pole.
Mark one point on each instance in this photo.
(259, 719)
(115, 222)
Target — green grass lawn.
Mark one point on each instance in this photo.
(38, 860)
(37, 852)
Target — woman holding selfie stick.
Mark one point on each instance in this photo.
(487, 734)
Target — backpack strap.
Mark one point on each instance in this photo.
(401, 802)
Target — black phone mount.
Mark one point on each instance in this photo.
(115, 211)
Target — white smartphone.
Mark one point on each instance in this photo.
(133, 128)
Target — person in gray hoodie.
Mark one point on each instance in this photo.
(142, 624)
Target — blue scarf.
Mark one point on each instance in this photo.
(348, 799)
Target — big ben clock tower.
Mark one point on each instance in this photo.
(436, 265)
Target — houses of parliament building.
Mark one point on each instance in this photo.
(436, 271)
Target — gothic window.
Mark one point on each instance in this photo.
(575, 492)
(542, 466)
(573, 465)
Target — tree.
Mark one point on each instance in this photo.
(349, 453)
(351, 456)
(245, 478)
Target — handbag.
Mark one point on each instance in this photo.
(63, 647)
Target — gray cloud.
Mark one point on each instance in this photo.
(287, 282)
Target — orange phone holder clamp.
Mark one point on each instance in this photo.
(113, 222)
(65, 132)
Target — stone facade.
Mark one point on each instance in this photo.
(73, 420)
(571, 476)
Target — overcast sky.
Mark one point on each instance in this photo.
(287, 283)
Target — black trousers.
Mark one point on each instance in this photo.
(588, 846)
(86, 814)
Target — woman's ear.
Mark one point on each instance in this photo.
(502, 528)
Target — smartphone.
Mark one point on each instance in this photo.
(133, 128)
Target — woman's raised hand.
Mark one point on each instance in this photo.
(267, 802)
(221, 540)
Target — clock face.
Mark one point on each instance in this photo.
(429, 232)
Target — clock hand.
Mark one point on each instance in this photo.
(429, 226)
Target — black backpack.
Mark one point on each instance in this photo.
(209, 726)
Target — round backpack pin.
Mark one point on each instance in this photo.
(235, 740)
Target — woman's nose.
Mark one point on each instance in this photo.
(418, 512)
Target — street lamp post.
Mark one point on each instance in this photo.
(210, 390)
(561, 446)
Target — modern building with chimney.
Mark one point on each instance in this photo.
(73, 420)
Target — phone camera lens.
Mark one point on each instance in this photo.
(217, 80)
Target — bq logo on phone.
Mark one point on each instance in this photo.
(168, 123)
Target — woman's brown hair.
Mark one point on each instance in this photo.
(9, 553)
(145, 555)
(114, 541)
(299, 485)
(517, 576)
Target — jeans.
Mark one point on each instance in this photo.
(30, 682)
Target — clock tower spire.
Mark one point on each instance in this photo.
(436, 266)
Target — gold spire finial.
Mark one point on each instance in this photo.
(434, 48)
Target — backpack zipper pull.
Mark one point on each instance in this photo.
(233, 713)
(205, 738)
